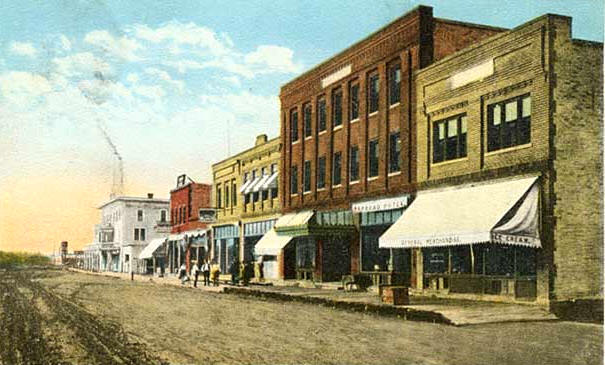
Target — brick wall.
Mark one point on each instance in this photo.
(192, 196)
(578, 156)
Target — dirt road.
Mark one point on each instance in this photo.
(54, 317)
(39, 326)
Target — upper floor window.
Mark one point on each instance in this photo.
(294, 125)
(373, 158)
(336, 108)
(321, 114)
(273, 168)
(394, 84)
(245, 176)
(226, 195)
(140, 215)
(321, 172)
(394, 152)
(449, 138)
(307, 119)
(234, 194)
(307, 176)
(163, 215)
(373, 93)
(354, 164)
(509, 123)
(294, 180)
(336, 168)
(139, 234)
(353, 101)
(218, 198)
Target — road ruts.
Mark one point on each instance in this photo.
(103, 341)
(22, 339)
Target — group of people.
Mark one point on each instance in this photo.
(243, 272)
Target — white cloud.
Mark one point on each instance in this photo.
(164, 76)
(233, 80)
(65, 43)
(246, 106)
(81, 64)
(20, 88)
(133, 78)
(184, 34)
(268, 59)
(154, 92)
(123, 47)
(23, 49)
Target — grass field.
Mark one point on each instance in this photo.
(52, 317)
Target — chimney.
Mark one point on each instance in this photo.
(149, 195)
(260, 139)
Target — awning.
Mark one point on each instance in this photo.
(294, 219)
(245, 186)
(176, 237)
(260, 183)
(252, 184)
(504, 212)
(326, 223)
(271, 243)
(271, 182)
(148, 251)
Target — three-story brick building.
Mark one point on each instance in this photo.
(348, 133)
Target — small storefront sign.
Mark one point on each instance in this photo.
(381, 204)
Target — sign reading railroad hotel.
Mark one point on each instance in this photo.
(381, 204)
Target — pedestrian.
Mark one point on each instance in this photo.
(206, 273)
(196, 271)
(183, 274)
(233, 269)
(215, 272)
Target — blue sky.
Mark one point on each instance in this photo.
(177, 85)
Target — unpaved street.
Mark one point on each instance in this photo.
(59, 317)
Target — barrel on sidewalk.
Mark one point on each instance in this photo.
(395, 295)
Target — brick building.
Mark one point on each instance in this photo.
(190, 215)
(509, 170)
(348, 134)
(247, 206)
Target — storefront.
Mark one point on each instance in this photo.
(153, 256)
(226, 246)
(477, 239)
(253, 232)
(384, 265)
(175, 251)
(319, 246)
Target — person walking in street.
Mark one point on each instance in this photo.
(195, 271)
(183, 274)
(233, 270)
(206, 273)
(215, 272)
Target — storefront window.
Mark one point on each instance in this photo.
(305, 253)
(435, 260)
(371, 254)
(461, 259)
(526, 261)
(499, 260)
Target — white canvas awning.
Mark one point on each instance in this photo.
(252, 184)
(245, 186)
(148, 251)
(176, 237)
(260, 183)
(271, 182)
(294, 219)
(271, 243)
(504, 212)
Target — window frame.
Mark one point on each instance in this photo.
(321, 172)
(140, 215)
(373, 99)
(394, 84)
(354, 164)
(517, 126)
(337, 107)
(294, 180)
(294, 137)
(353, 100)
(395, 150)
(373, 142)
(307, 121)
(443, 146)
(337, 167)
(307, 176)
(322, 119)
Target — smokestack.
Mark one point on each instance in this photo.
(150, 195)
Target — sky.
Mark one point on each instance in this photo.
(171, 87)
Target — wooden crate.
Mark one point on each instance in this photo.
(395, 295)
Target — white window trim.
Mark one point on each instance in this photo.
(296, 142)
(393, 106)
(373, 113)
(321, 189)
(354, 182)
(509, 149)
(308, 138)
(322, 132)
(354, 120)
(459, 159)
(373, 178)
(394, 173)
(336, 186)
(337, 127)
